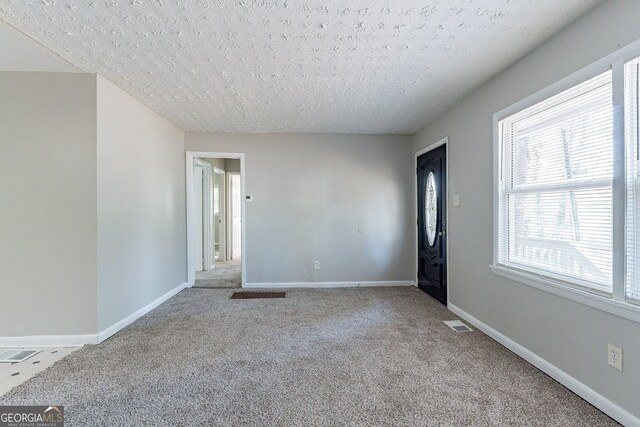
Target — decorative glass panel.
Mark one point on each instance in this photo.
(431, 209)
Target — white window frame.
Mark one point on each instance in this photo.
(616, 304)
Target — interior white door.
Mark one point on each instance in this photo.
(199, 218)
(236, 216)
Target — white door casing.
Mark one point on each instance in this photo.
(219, 219)
(236, 215)
(199, 226)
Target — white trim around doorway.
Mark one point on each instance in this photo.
(190, 159)
(222, 205)
(229, 212)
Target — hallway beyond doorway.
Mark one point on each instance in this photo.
(215, 220)
(226, 274)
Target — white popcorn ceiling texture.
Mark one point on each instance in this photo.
(361, 66)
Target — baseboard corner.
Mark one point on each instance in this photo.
(118, 326)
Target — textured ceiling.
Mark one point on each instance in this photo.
(360, 66)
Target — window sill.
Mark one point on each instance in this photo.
(618, 308)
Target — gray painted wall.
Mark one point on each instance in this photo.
(232, 165)
(311, 193)
(47, 203)
(141, 205)
(571, 336)
(219, 163)
(227, 165)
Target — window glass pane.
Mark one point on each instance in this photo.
(565, 232)
(556, 186)
(569, 141)
(431, 209)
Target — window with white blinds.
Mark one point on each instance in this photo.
(632, 127)
(567, 187)
(555, 187)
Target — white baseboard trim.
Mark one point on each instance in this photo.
(48, 341)
(118, 326)
(290, 285)
(599, 401)
(79, 340)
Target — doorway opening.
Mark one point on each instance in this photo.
(215, 220)
(432, 220)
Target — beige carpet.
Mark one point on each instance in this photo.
(357, 357)
(227, 274)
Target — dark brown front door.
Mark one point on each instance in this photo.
(432, 225)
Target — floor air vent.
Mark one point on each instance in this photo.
(257, 295)
(15, 356)
(457, 326)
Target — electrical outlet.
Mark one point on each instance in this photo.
(614, 357)
(316, 265)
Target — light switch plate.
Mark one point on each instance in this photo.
(456, 200)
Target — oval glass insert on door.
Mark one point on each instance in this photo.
(431, 209)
